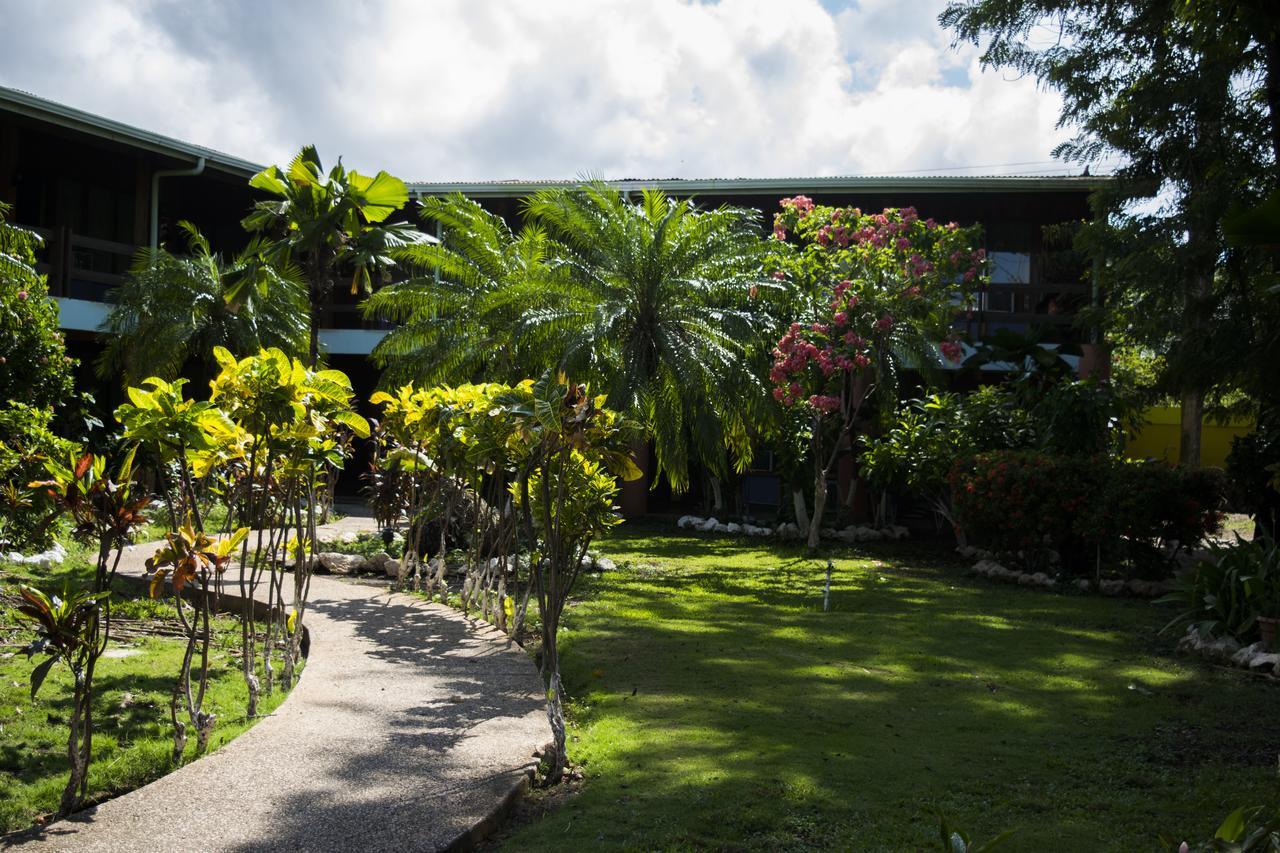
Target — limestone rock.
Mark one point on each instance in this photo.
(733, 527)
(604, 564)
(687, 522)
(392, 568)
(1221, 649)
(708, 525)
(343, 564)
(1111, 587)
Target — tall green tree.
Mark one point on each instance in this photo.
(330, 224)
(175, 308)
(1182, 93)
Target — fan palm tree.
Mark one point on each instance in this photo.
(456, 316)
(172, 308)
(657, 314)
(330, 222)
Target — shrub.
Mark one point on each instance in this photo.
(34, 366)
(1145, 505)
(1026, 503)
(26, 442)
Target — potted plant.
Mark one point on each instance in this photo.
(1263, 589)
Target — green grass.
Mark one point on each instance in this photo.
(133, 734)
(715, 706)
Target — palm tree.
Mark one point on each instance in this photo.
(330, 222)
(657, 314)
(172, 308)
(457, 317)
(648, 301)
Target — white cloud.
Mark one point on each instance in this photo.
(459, 89)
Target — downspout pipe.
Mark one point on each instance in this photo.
(155, 194)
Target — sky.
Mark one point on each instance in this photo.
(458, 90)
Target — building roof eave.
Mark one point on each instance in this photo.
(31, 106)
(756, 186)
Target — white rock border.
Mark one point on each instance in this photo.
(989, 568)
(790, 530)
(1226, 650)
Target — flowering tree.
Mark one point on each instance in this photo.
(882, 291)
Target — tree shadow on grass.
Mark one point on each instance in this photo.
(741, 715)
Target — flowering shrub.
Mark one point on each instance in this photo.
(880, 285)
(1026, 503)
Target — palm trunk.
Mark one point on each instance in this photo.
(802, 512)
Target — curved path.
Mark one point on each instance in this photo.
(410, 727)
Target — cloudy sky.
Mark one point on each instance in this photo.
(483, 89)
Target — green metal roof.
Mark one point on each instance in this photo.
(754, 186)
(24, 103)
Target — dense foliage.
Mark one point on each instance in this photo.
(1032, 505)
(1226, 593)
(172, 309)
(35, 378)
(648, 300)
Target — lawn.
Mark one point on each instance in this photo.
(133, 734)
(715, 705)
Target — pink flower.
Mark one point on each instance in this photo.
(779, 275)
(794, 389)
(840, 318)
(777, 394)
(861, 360)
(22, 296)
(951, 350)
(819, 328)
(903, 244)
(824, 403)
(753, 292)
(779, 233)
(885, 323)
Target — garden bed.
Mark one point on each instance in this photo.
(133, 738)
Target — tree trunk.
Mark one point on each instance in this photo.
(802, 512)
(75, 756)
(1192, 415)
(819, 503)
(717, 494)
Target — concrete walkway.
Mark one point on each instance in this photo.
(409, 727)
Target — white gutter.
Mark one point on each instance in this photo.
(155, 194)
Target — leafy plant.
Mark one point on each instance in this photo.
(190, 557)
(106, 511)
(1245, 830)
(957, 841)
(1226, 592)
(173, 309)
